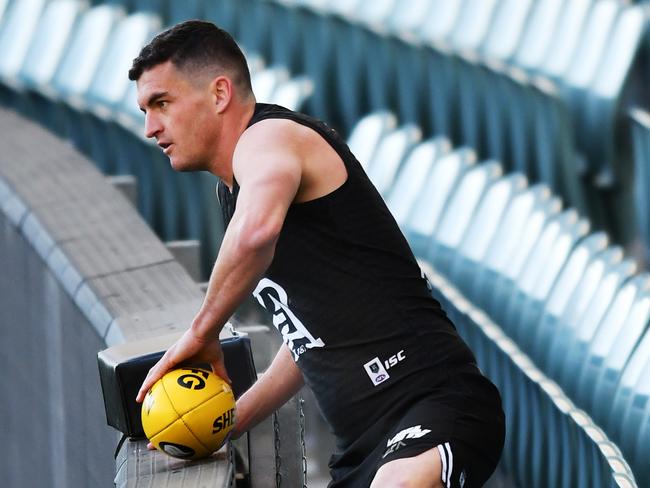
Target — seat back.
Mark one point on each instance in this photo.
(506, 29)
(366, 134)
(432, 199)
(110, 83)
(511, 227)
(443, 16)
(84, 51)
(538, 34)
(589, 52)
(16, 34)
(293, 93)
(463, 202)
(391, 151)
(566, 38)
(485, 222)
(49, 41)
(412, 176)
(620, 52)
(473, 23)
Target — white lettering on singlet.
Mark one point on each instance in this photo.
(294, 333)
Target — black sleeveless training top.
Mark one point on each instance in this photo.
(349, 298)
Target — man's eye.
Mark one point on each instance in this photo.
(162, 103)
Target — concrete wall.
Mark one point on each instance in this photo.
(79, 271)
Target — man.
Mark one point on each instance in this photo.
(311, 238)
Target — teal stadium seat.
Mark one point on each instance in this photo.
(503, 245)
(611, 350)
(482, 230)
(391, 152)
(411, 177)
(432, 200)
(554, 249)
(460, 209)
(366, 134)
(585, 308)
(564, 293)
(584, 65)
(502, 282)
(46, 48)
(609, 308)
(77, 67)
(19, 24)
(519, 312)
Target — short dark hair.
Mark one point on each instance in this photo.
(194, 44)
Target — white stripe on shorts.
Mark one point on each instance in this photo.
(447, 460)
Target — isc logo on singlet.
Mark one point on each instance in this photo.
(294, 334)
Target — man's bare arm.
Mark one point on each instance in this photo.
(273, 389)
(268, 169)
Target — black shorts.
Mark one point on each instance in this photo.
(464, 422)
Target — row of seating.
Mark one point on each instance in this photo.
(550, 442)
(67, 68)
(570, 300)
(538, 86)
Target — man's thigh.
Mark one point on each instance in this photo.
(422, 471)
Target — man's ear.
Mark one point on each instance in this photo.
(222, 92)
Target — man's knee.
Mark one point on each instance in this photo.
(421, 471)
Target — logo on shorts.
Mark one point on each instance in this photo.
(396, 442)
(378, 371)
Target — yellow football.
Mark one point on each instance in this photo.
(188, 413)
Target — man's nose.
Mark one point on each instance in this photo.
(152, 126)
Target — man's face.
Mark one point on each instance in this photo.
(180, 115)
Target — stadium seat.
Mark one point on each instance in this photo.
(17, 30)
(537, 34)
(412, 176)
(611, 350)
(366, 134)
(266, 81)
(475, 77)
(293, 93)
(504, 244)
(77, 67)
(564, 293)
(558, 328)
(46, 49)
(565, 39)
(498, 293)
(519, 314)
(429, 206)
(601, 112)
(586, 60)
(481, 230)
(460, 209)
(609, 307)
(391, 151)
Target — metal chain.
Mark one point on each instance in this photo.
(303, 449)
(278, 461)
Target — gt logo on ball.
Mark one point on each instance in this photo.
(192, 381)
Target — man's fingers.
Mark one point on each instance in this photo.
(154, 375)
(151, 447)
(220, 370)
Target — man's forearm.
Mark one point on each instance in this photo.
(273, 389)
(236, 272)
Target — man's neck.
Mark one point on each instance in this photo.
(234, 126)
